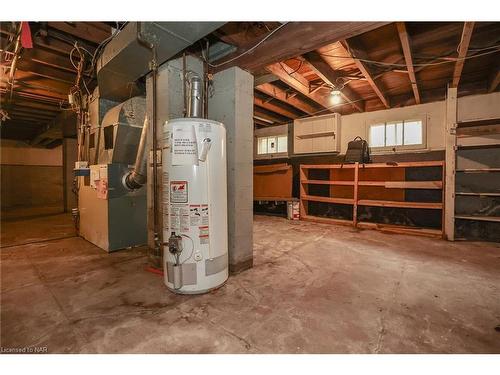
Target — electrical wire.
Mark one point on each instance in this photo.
(248, 50)
(382, 63)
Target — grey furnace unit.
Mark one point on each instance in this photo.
(113, 216)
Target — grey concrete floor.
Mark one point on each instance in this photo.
(315, 288)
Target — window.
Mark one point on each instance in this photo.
(397, 134)
(272, 145)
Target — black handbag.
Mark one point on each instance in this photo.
(357, 151)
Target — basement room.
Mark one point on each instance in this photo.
(250, 187)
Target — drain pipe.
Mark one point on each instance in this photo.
(196, 97)
(136, 178)
(154, 68)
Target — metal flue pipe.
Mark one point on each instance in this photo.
(138, 176)
(196, 98)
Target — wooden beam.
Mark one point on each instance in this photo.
(270, 106)
(83, 30)
(495, 81)
(462, 52)
(296, 38)
(405, 43)
(356, 53)
(299, 83)
(265, 78)
(268, 115)
(283, 96)
(330, 76)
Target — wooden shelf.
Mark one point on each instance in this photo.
(328, 166)
(326, 220)
(478, 170)
(478, 194)
(479, 218)
(400, 229)
(404, 184)
(327, 182)
(380, 203)
(275, 199)
(478, 146)
(316, 135)
(395, 195)
(482, 122)
(313, 198)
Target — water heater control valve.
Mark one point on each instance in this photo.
(175, 244)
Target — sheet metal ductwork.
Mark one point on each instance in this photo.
(126, 59)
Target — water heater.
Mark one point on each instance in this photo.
(195, 251)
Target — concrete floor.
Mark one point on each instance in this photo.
(315, 288)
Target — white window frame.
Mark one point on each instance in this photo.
(269, 155)
(398, 148)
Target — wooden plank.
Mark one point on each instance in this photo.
(269, 116)
(304, 189)
(326, 220)
(327, 182)
(299, 83)
(327, 166)
(274, 108)
(296, 38)
(495, 81)
(355, 52)
(283, 96)
(356, 197)
(478, 170)
(480, 218)
(83, 30)
(316, 135)
(399, 229)
(330, 76)
(275, 199)
(377, 203)
(478, 194)
(313, 198)
(405, 44)
(478, 130)
(462, 52)
(414, 184)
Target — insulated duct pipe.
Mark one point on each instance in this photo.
(196, 98)
(137, 177)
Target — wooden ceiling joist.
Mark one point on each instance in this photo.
(296, 38)
(462, 52)
(330, 77)
(405, 44)
(91, 31)
(269, 116)
(299, 83)
(495, 81)
(356, 53)
(283, 96)
(270, 106)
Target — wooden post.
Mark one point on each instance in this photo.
(355, 197)
(450, 143)
(303, 176)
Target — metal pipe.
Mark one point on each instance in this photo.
(137, 177)
(196, 98)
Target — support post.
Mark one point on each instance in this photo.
(450, 143)
(232, 104)
(69, 151)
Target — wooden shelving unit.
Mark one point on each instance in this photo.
(369, 185)
(477, 180)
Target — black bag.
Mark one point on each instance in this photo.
(357, 151)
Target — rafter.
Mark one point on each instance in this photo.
(462, 52)
(268, 115)
(299, 83)
(405, 44)
(330, 76)
(495, 81)
(270, 106)
(284, 97)
(356, 53)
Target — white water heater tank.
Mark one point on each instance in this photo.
(195, 251)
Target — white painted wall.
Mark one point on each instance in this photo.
(267, 132)
(433, 116)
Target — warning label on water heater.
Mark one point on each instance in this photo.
(178, 191)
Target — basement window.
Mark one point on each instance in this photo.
(407, 134)
(272, 145)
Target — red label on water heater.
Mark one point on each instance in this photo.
(178, 191)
